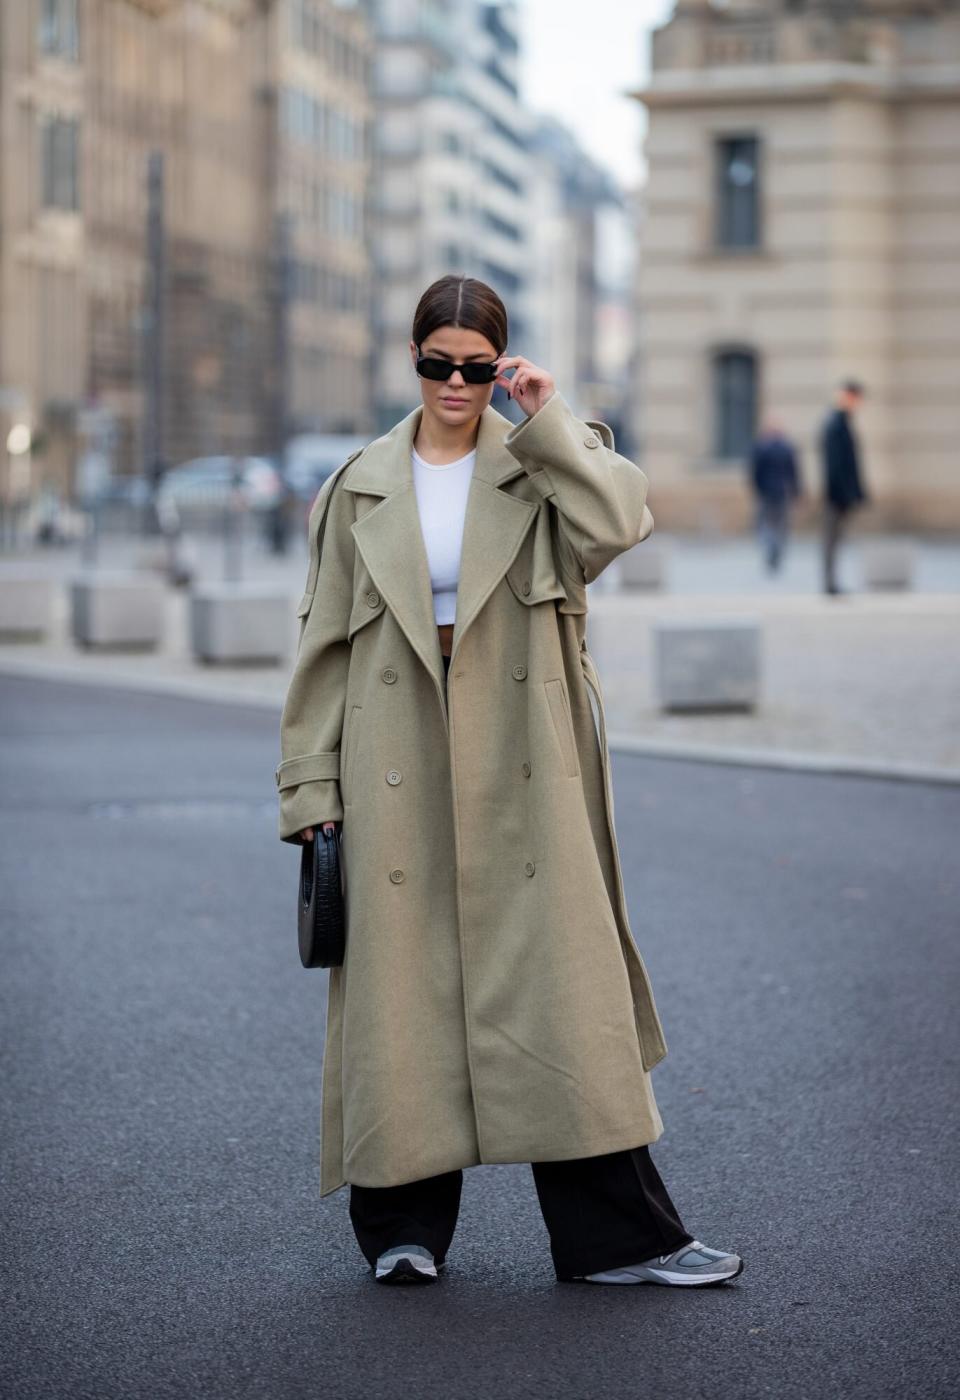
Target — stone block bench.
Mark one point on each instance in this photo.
(26, 603)
(710, 663)
(116, 609)
(643, 566)
(238, 623)
(886, 563)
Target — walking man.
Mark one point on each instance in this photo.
(843, 489)
(776, 484)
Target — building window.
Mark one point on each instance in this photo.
(60, 156)
(60, 29)
(735, 403)
(738, 192)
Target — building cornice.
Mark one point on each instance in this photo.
(799, 82)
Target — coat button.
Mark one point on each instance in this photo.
(529, 867)
(397, 876)
(393, 777)
(373, 598)
(389, 674)
(525, 587)
(525, 769)
(520, 672)
(591, 441)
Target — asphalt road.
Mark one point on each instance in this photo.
(161, 1054)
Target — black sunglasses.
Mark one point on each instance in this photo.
(442, 369)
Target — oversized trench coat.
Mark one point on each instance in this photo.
(492, 1005)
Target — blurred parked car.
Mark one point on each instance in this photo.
(199, 491)
(311, 457)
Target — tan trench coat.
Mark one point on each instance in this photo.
(492, 1005)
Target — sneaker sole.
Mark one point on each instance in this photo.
(672, 1280)
(406, 1272)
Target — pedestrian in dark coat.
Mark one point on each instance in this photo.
(776, 484)
(843, 489)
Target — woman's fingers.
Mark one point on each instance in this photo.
(306, 834)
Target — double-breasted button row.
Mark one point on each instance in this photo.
(393, 777)
(520, 672)
(397, 876)
(388, 675)
(373, 598)
(529, 868)
(525, 769)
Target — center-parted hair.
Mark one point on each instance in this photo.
(465, 302)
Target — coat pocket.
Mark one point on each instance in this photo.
(563, 725)
(348, 745)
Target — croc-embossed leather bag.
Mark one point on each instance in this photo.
(321, 925)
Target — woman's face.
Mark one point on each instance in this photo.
(451, 400)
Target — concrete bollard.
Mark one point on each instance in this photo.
(114, 609)
(643, 566)
(26, 603)
(236, 622)
(707, 664)
(886, 563)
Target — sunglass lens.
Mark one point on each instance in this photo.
(479, 374)
(434, 369)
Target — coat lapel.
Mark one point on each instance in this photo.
(390, 540)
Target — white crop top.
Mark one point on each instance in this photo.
(442, 501)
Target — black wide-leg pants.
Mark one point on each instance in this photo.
(600, 1212)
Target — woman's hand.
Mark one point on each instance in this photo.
(530, 387)
(308, 833)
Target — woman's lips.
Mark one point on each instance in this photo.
(453, 401)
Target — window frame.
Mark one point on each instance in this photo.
(721, 140)
(723, 450)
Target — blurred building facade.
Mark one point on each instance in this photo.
(581, 278)
(800, 226)
(452, 166)
(256, 109)
(322, 69)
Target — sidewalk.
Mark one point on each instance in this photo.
(866, 682)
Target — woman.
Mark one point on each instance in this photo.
(492, 1005)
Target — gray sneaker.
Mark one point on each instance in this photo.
(406, 1263)
(691, 1265)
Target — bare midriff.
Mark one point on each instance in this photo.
(445, 632)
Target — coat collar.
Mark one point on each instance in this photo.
(390, 540)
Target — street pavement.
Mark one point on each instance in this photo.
(161, 1049)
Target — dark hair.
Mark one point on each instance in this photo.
(461, 301)
(853, 386)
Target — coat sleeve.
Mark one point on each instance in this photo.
(600, 497)
(308, 775)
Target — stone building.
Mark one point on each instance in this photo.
(802, 224)
(257, 108)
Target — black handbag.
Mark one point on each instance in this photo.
(321, 923)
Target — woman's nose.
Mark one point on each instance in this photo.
(457, 380)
